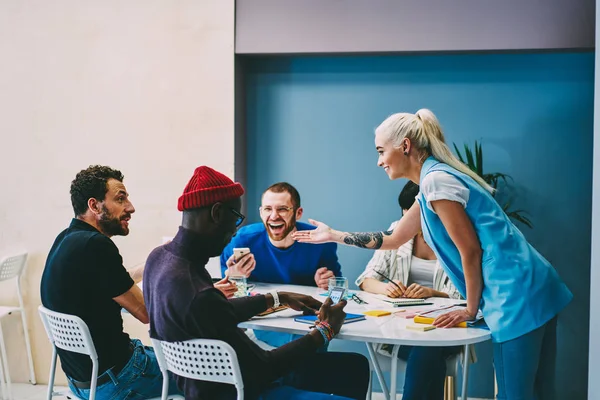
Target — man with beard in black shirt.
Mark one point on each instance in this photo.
(84, 276)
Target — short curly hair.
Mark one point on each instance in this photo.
(283, 187)
(91, 183)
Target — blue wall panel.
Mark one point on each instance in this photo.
(310, 121)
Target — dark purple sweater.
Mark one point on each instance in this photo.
(183, 304)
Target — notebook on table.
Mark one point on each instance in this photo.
(311, 319)
(404, 302)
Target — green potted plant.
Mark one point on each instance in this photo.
(474, 160)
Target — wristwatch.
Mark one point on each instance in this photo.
(275, 295)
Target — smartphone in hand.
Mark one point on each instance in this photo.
(337, 294)
(240, 252)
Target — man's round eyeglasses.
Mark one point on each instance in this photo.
(281, 210)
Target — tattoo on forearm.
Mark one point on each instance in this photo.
(366, 240)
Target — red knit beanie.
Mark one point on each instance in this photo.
(207, 187)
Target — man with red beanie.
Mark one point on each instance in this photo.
(183, 304)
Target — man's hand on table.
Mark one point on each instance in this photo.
(226, 287)
(242, 267)
(299, 302)
(322, 277)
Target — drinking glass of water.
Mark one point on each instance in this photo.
(241, 283)
(338, 281)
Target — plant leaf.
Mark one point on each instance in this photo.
(470, 161)
(460, 157)
(496, 176)
(479, 158)
(517, 216)
(474, 161)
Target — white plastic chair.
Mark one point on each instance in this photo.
(69, 332)
(200, 359)
(12, 268)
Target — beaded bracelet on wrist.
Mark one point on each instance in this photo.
(326, 340)
(329, 329)
(325, 329)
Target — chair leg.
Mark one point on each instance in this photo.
(94, 382)
(52, 373)
(28, 346)
(165, 385)
(5, 361)
(3, 394)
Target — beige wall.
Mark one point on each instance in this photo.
(144, 86)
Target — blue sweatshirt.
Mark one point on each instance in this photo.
(295, 265)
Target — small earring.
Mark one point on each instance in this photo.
(406, 153)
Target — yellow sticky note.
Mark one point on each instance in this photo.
(420, 327)
(377, 313)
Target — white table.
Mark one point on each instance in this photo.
(389, 329)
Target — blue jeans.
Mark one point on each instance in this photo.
(139, 379)
(324, 376)
(425, 371)
(525, 366)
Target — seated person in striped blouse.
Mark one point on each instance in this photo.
(417, 272)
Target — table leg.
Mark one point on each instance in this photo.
(370, 388)
(394, 373)
(375, 363)
(465, 378)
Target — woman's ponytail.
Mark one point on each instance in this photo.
(440, 150)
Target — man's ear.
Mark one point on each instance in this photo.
(94, 205)
(216, 213)
(299, 212)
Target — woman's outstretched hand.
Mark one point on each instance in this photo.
(322, 234)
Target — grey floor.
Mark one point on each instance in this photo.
(24, 391)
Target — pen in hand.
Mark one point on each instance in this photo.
(391, 281)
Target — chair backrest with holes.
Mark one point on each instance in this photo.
(201, 359)
(12, 266)
(68, 332)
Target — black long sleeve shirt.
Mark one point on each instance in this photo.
(183, 304)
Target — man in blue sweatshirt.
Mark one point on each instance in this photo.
(274, 256)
